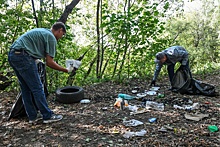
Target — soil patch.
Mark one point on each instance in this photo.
(99, 123)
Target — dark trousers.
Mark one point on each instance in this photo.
(170, 69)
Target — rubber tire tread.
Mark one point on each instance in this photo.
(69, 97)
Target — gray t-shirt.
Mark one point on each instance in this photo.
(37, 43)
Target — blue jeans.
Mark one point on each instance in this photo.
(27, 73)
(170, 69)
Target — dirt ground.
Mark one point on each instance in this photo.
(100, 124)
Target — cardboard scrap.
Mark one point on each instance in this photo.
(196, 117)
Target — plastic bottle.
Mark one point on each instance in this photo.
(151, 120)
(132, 108)
(125, 96)
(160, 95)
(155, 105)
(141, 133)
(195, 106)
(132, 134)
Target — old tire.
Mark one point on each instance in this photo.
(69, 94)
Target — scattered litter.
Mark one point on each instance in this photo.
(213, 128)
(207, 102)
(151, 120)
(154, 88)
(154, 105)
(85, 101)
(217, 104)
(175, 130)
(125, 96)
(196, 117)
(151, 92)
(132, 123)
(160, 95)
(119, 101)
(134, 91)
(129, 134)
(140, 95)
(163, 129)
(168, 127)
(190, 102)
(104, 108)
(132, 108)
(139, 111)
(187, 107)
(115, 131)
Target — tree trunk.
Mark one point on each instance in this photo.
(67, 11)
(98, 40)
(34, 13)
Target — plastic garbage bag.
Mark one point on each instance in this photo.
(183, 83)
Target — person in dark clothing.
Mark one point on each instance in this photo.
(170, 57)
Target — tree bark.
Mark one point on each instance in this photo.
(67, 11)
(34, 13)
(98, 40)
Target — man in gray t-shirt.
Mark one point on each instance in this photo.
(170, 57)
(33, 45)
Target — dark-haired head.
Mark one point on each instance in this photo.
(57, 25)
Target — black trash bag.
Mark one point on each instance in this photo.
(18, 110)
(183, 83)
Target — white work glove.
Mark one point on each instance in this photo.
(38, 61)
(70, 68)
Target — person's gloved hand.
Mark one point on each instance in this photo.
(70, 68)
(153, 83)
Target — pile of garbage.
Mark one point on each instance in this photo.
(147, 104)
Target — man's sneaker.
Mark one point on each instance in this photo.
(53, 118)
(39, 117)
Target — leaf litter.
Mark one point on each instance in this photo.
(99, 123)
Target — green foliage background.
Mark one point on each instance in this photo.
(131, 33)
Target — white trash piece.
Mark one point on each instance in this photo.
(187, 107)
(129, 134)
(132, 123)
(132, 108)
(151, 92)
(154, 105)
(154, 88)
(140, 95)
(73, 63)
(85, 101)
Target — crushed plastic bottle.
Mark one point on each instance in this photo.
(132, 108)
(125, 96)
(132, 134)
(132, 122)
(154, 105)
